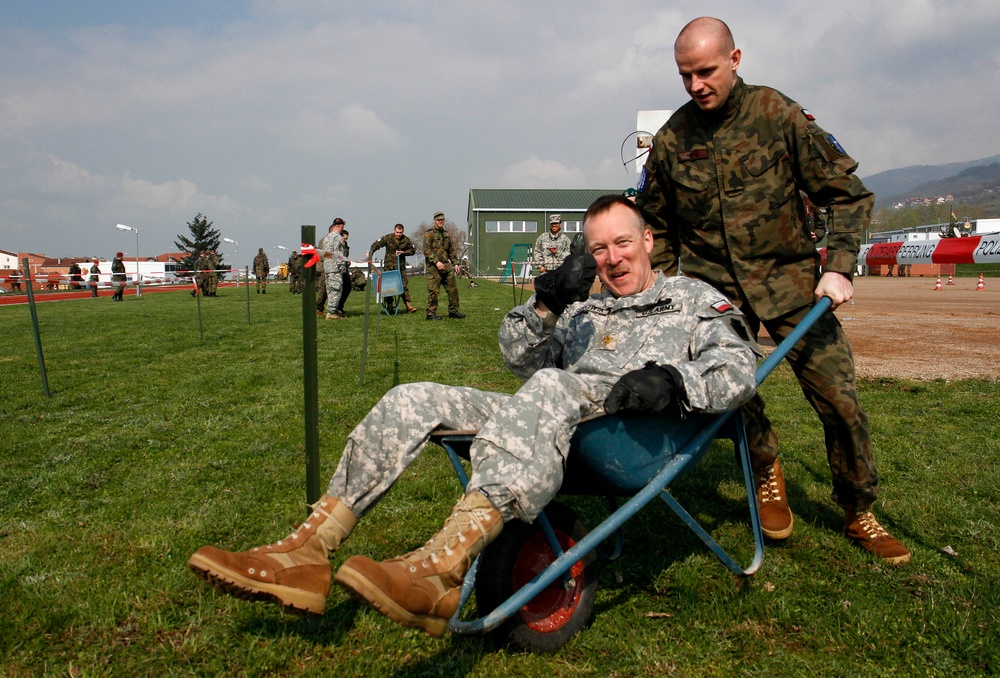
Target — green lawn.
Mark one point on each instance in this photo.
(156, 441)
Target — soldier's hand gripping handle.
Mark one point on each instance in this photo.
(570, 282)
(650, 390)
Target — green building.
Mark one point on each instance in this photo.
(500, 218)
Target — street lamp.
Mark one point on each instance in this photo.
(138, 277)
(238, 269)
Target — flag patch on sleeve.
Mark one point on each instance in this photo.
(722, 306)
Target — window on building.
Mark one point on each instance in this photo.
(511, 226)
(573, 226)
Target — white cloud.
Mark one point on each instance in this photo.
(536, 172)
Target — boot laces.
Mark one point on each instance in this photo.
(769, 488)
(871, 526)
(463, 519)
(304, 527)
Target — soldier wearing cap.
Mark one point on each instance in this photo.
(442, 267)
(296, 269)
(551, 248)
(334, 266)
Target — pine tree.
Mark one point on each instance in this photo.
(204, 238)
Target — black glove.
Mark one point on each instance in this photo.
(578, 245)
(570, 282)
(651, 389)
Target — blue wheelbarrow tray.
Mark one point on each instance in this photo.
(628, 456)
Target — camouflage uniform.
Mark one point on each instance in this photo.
(212, 277)
(720, 191)
(95, 276)
(201, 274)
(393, 245)
(296, 270)
(334, 267)
(118, 277)
(569, 364)
(541, 256)
(438, 248)
(261, 269)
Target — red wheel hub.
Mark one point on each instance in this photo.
(555, 605)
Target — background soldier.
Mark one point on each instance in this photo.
(397, 248)
(261, 269)
(95, 276)
(551, 248)
(442, 267)
(212, 282)
(118, 277)
(334, 266)
(75, 276)
(296, 270)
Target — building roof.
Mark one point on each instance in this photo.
(535, 199)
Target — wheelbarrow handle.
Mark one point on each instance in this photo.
(779, 353)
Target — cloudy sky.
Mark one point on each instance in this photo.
(267, 114)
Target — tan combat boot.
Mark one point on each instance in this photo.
(410, 308)
(772, 505)
(865, 531)
(293, 572)
(422, 588)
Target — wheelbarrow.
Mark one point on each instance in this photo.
(536, 584)
(388, 287)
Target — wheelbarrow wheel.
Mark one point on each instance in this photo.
(519, 553)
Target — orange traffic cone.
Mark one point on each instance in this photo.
(937, 285)
(980, 285)
(951, 279)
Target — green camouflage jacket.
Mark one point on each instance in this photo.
(392, 244)
(438, 247)
(720, 191)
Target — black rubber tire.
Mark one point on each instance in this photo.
(519, 553)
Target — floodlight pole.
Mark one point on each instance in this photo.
(138, 276)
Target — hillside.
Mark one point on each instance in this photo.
(966, 181)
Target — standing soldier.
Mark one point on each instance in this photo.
(397, 248)
(95, 276)
(75, 276)
(442, 267)
(118, 276)
(334, 266)
(295, 271)
(553, 247)
(261, 268)
(212, 283)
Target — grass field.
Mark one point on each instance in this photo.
(156, 441)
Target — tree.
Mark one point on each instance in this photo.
(204, 238)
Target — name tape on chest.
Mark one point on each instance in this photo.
(697, 154)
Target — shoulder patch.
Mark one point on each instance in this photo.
(722, 306)
(836, 144)
(809, 116)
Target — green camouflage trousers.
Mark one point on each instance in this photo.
(824, 365)
(517, 458)
(434, 280)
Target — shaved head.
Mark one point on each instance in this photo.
(705, 30)
(707, 60)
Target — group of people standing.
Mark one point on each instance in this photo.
(335, 276)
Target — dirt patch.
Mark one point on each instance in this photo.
(903, 327)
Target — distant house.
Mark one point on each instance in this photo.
(500, 218)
